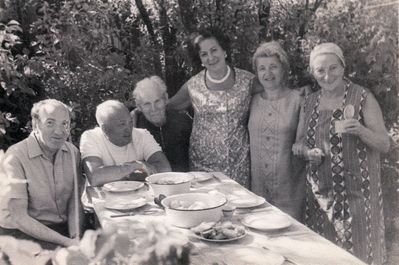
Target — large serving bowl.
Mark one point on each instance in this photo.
(170, 183)
(206, 208)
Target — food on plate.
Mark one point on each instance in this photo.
(219, 231)
(203, 227)
(187, 205)
(168, 180)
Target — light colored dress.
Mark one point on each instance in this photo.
(276, 174)
(343, 193)
(219, 140)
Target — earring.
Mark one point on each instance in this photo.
(202, 65)
(225, 55)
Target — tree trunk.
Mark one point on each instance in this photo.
(173, 73)
(263, 14)
(153, 36)
(187, 13)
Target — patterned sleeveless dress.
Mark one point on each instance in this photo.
(276, 174)
(343, 193)
(219, 140)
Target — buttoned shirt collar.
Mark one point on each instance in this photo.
(34, 147)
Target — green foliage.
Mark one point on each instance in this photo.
(84, 55)
(17, 91)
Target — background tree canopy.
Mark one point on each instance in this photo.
(85, 51)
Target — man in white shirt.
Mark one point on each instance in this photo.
(115, 150)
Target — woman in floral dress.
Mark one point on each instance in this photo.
(220, 96)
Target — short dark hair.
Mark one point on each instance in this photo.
(210, 33)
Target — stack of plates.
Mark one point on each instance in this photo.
(122, 186)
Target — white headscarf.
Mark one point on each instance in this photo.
(325, 48)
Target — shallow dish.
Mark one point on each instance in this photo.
(124, 205)
(200, 176)
(267, 221)
(122, 186)
(249, 202)
(221, 240)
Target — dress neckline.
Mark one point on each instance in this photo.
(284, 95)
(233, 74)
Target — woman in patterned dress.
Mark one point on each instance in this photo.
(276, 174)
(344, 134)
(220, 96)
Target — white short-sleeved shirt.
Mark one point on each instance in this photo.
(94, 143)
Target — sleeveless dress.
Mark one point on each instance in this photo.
(343, 193)
(276, 174)
(219, 139)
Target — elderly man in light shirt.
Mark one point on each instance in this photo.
(115, 150)
(41, 204)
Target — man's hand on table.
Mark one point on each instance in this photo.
(140, 170)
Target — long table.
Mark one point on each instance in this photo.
(297, 244)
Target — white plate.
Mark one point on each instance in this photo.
(253, 256)
(123, 186)
(221, 240)
(124, 204)
(247, 202)
(201, 175)
(267, 221)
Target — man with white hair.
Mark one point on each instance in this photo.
(171, 129)
(43, 169)
(115, 150)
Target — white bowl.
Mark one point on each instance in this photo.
(187, 218)
(170, 183)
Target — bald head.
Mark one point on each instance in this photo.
(106, 110)
(114, 119)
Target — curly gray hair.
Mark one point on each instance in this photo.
(152, 82)
(269, 49)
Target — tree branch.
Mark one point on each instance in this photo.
(153, 37)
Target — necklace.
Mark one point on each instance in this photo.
(218, 81)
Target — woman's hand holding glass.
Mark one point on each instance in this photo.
(315, 156)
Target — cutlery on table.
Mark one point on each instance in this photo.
(287, 260)
(122, 214)
(215, 177)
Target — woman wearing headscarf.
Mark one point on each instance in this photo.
(344, 134)
(220, 96)
(276, 174)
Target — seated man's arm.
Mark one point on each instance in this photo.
(34, 228)
(158, 162)
(98, 174)
(72, 224)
